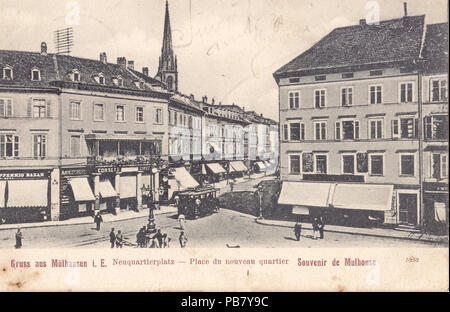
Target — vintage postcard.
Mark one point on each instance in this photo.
(210, 145)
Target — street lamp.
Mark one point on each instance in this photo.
(260, 194)
(147, 193)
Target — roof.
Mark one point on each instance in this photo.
(391, 40)
(58, 68)
(435, 50)
(185, 101)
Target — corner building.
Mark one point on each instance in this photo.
(351, 134)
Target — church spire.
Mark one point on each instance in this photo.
(167, 69)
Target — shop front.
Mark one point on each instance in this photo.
(436, 207)
(24, 196)
(76, 196)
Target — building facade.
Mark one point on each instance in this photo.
(351, 114)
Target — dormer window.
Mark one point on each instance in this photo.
(7, 73)
(118, 81)
(101, 79)
(139, 84)
(76, 77)
(35, 74)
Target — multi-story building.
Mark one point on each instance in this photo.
(76, 135)
(351, 114)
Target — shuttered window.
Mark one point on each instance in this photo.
(6, 108)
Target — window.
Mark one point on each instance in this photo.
(75, 110)
(347, 75)
(436, 127)
(376, 165)
(406, 92)
(120, 113)
(375, 94)
(320, 78)
(35, 74)
(294, 131)
(376, 73)
(39, 145)
(308, 162)
(348, 164)
(120, 81)
(76, 76)
(407, 164)
(439, 92)
(294, 164)
(405, 128)
(39, 108)
(321, 164)
(75, 146)
(159, 116)
(294, 80)
(9, 145)
(375, 128)
(99, 112)
(7, 73)
(320, 130)
(139, 114)
(349, 130)
(337, 130)
(6, 108)
(347, 96)
(439, 166)
(101, 79)
(294, 100)
(320, 98)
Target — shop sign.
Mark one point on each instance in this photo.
(109, 169)
(22, 175)
(73, 171)
(145, 168)
(435, 187)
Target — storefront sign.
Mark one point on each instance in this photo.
(20, 175)
(435, 187)
(73, 171)
(106, 169)
(145, 168)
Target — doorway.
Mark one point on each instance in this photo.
(407, 208)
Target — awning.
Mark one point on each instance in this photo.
(184, 178)
(238, 166)
(300, 210)
(27, 193)
(261, 165)
(119, 137)
(2, 193)
(81, 189)
(106, 189)
(127, 186)
(216, 168)
(305, 194)
(363, 197)
(204, 170)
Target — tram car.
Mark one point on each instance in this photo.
(197, 203)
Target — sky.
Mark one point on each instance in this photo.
(226, 49)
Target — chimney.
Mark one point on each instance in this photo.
(220, 103)
(43, 48)
(212, 101)
(122, 62)
(145, 71)
(405, 8)
(362, 22)
(261, 115)
(103, 57)
(205, 99)
(192, 97)
(131, 64)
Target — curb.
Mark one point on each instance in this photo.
(264, 222)
(13, 227)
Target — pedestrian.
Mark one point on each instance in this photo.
(297, 230)
(98, 219)
(139, 238)
(166, 240)
(112, 237)
(182, 239)
(19, 237)
(321, 226)
(181, 219)
(315, 226)
(231, 185)
(152, 243)
(119, 239)
(159, 239)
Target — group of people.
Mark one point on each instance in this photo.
(318, 226)
(192, 208)
(116, 240)
(145, 239)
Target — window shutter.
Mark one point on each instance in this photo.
(29, 107)
(16, 146)
(2, 146)
(307, 162)
(416, 128)
(2, 108)
(357, 130)
(8, 108)
(49, 112)
(337, 130)
(427, 127)
(362, 162)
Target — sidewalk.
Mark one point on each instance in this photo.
(375, 232)
(123, 215)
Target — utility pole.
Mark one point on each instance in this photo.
(420, 139)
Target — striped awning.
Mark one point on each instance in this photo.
(216, 168)
(27, 193)
(238, 166)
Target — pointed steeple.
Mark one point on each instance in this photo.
(167, 69)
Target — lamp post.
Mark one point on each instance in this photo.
(147, 193)
(260, 195)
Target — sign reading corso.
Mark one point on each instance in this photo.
(29, 174)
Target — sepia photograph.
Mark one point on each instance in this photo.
(274, 126)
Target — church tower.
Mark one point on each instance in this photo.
(167, 69)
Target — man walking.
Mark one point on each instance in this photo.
(112, 237)
(119, 239)
(321, 226)
(159, 239)
(183, 239)
(19, 237)
(315, 227)
(297, 230)
(98, 219)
